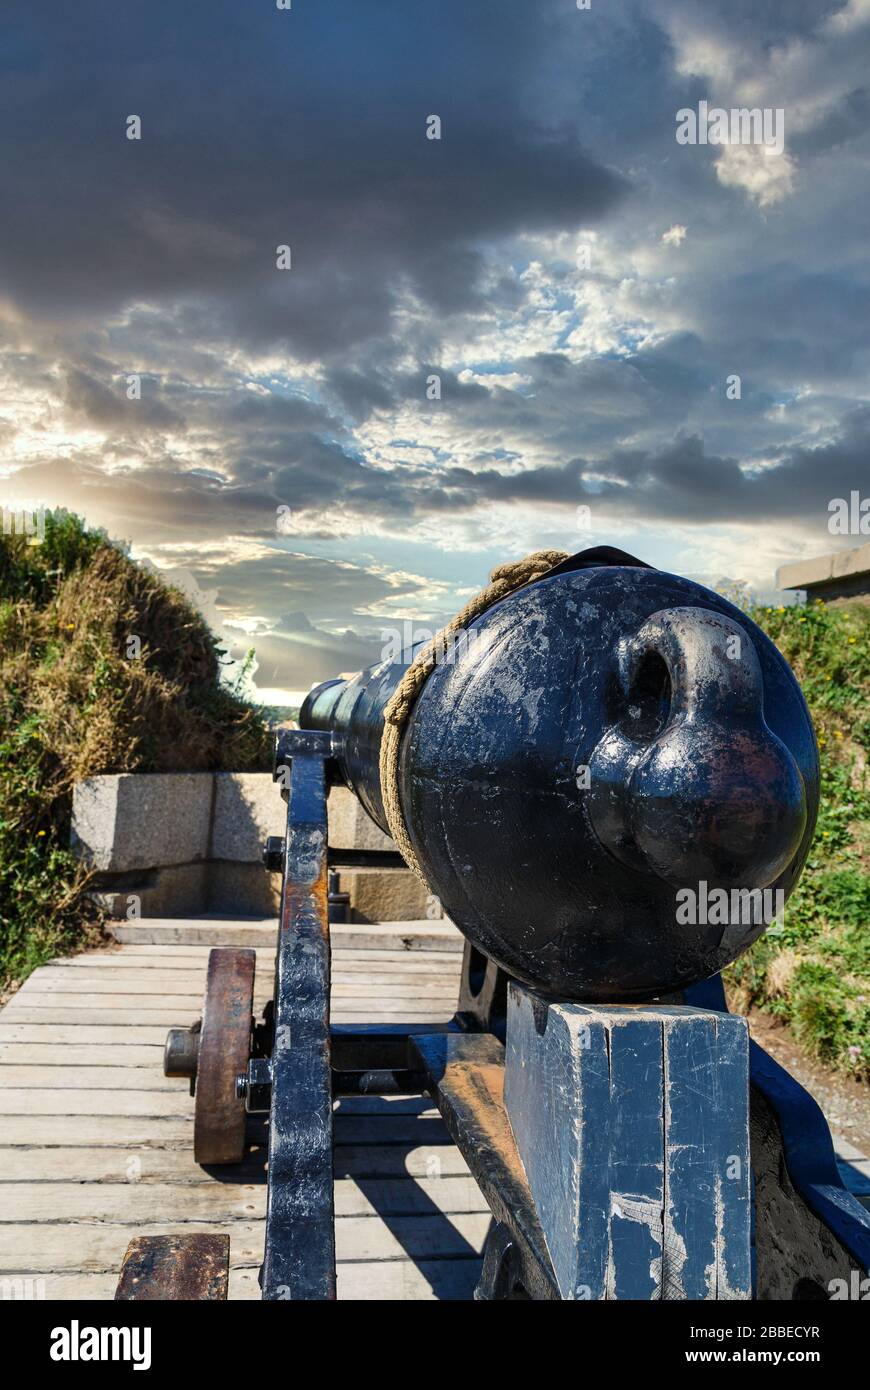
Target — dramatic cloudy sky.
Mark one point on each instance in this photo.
(582, 285)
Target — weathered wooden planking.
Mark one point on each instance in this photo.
(410, 936)
(445, 960)
(80, 1078)
(440, 994)
(105, 1164)
(135, 1131)
(59, 1245)
(438, 1159)
(50, 1010)
(139, 1203)
(49, 1033)
(39, 1246)
(117, 1035)
(116, 1131)
(72, 1055)
(68, 1101)
(153, 1001)
(393, 1280)
(169, 957)
(115, 1165)
(400, 1242)
(172, 983)
(125, 962)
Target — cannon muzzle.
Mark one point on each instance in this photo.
(690, 783)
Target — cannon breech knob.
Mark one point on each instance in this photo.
(690, 782)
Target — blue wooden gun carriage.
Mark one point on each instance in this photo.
(609, 778)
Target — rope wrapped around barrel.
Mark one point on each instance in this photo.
(504, 580)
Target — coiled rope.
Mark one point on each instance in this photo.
(504, 580)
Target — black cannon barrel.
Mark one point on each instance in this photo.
(610, 781)
(355, 710)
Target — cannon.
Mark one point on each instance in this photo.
(598, 742)
(609, 778)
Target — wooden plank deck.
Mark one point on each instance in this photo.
(96, 1145)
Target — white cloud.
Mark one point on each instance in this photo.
(765, 176)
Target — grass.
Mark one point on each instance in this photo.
(814, 970)
(103, 668)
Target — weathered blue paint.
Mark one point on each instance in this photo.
(735, 1250)
(690, 1133)
(636, 1168)
(626, 1120)
(557, 1096)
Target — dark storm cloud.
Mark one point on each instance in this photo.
(108, 407)
(156, 504)
(681, 482)
(305, 391)
(271, 584)
(846, 121)
(262, 128)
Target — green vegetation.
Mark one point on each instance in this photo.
(103, 668)
(814, 970)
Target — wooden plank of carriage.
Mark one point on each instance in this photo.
(96, 1145)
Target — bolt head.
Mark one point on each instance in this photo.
(273, 854)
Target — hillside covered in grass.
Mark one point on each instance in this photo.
(103, 668)
(814, 970)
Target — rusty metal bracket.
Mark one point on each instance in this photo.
(190, 1268)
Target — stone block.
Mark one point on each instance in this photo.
(245, 890)
(142, 820)
(387, 895)
(177, 890)
(248, 807)
(191, 843)
(802, 573)
(855, 560)
(350, 827)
